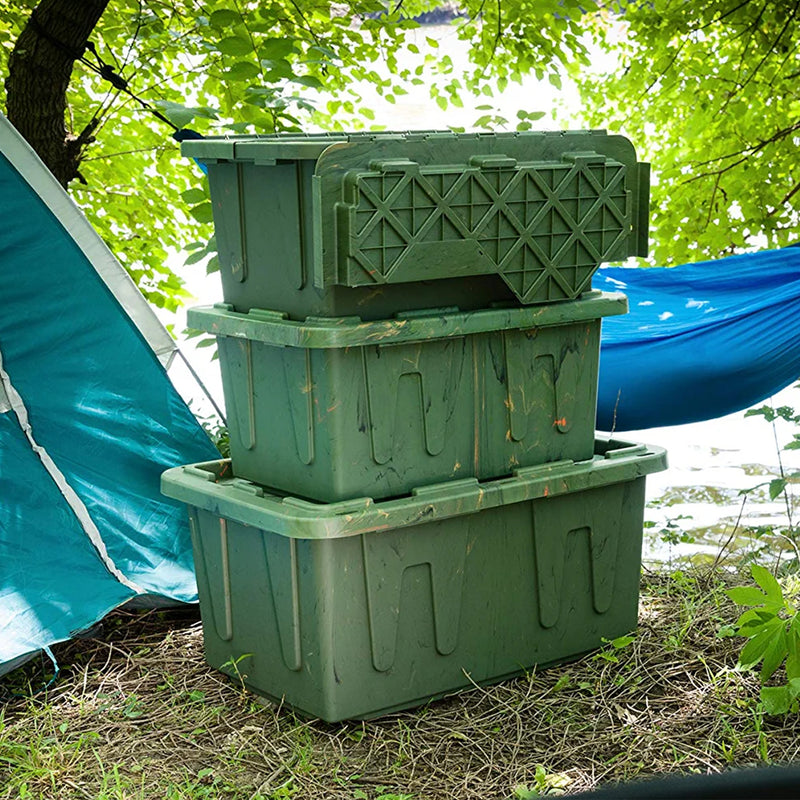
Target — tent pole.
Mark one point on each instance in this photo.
(202, 386)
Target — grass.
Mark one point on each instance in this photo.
(137, 715)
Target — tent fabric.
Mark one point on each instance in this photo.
(88, 422)
(701, 340)
(40, 180)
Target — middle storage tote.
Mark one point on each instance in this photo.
(332, 409)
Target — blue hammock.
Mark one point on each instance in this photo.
(701, 340)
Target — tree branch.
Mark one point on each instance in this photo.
(766, 55)
(787, 197)
(39, 72)
(741, 156)
(776, 137)
(727, 13)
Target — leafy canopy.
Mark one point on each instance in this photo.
(710, 93)
(706, 91)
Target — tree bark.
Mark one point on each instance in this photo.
(40, 68)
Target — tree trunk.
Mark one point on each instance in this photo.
(39, 72)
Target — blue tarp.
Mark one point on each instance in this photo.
(88, 421)
(701, 340)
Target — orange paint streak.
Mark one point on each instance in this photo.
(560, 422)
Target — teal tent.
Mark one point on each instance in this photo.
(88, 421)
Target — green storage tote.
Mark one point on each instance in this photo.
(371, 224)
(360, 608)
(334, 408)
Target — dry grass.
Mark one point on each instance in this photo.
(137, 714)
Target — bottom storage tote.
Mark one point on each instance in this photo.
(358, 608)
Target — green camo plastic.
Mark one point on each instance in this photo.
(337, 408)
(369, 224)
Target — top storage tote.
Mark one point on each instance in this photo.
(372, 224)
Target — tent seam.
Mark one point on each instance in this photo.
(76, 505)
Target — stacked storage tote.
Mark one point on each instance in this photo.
(369, 225)
(409, 347)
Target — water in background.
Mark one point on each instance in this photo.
(700, 496)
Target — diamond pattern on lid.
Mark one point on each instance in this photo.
(544, 227)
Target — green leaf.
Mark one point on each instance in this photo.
(206, 111)
(726, 632)
(753, 620)
(195, 258)
(178, 115)
(766, 580)
(242, 71)
(776, 486)
(308, 80)
(224, 18)
(746, 595)
(793, 648)
(276, 49)
(774, 655)
(235, 46)
(202, 212)
(754, 650)
(193, 196)
(277, 69)
(776, 699)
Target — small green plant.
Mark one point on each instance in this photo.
(779, 486)
(772, 626)
(612, 647)
(217, 431)
(232, 664)
(132, 708)
(673, 532)
(544, 783)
